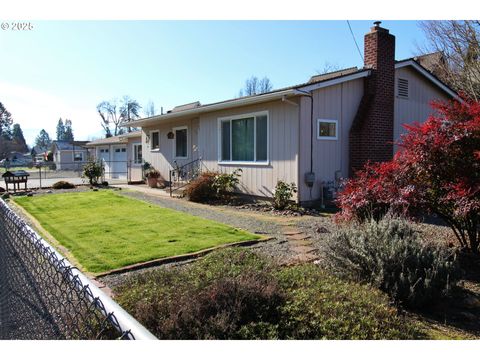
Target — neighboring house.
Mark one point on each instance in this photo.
(311, 134)
(69, 155)
(121, 155)
(15, 158)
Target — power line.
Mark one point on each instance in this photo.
(354, 40)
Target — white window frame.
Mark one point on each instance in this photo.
(151, 140)
(77, 152)
(329, 121)
(243, 116)
(134, 162)
(175, 142)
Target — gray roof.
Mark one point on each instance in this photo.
(333, 74)
(119, 139)
(69, 145)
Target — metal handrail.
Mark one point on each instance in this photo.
(179, 170)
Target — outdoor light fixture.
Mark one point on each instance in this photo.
(147, 139)
(170, 135)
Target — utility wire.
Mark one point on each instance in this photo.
(354, 40)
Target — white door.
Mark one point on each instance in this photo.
(119, 164)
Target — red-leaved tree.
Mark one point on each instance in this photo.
(436, 170)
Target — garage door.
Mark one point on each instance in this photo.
(119, 165)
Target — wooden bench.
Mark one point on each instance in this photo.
(16, 178)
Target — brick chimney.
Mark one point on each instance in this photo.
(371, 134)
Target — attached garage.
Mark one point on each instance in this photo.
(120, 155)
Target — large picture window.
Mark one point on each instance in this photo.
(181, 142)
(244, 138)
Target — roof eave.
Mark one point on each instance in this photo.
(428, 75)
(214, 107)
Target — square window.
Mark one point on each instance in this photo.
(327, 129)
(78, 156)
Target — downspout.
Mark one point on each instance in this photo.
(310, 176)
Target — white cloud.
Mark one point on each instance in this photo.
(34, 110)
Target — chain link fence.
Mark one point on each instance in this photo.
(43, 297)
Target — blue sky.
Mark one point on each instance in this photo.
(65, 68)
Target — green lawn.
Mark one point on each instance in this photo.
(104, 231)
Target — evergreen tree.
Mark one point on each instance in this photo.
(68, 136)
(5, 123)
(43, 140)
(60, 130)
(18, 139)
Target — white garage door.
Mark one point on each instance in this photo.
(119, 164)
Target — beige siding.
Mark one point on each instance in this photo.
(417, 106)
(163, 159)
(339, 102)
(203, 136)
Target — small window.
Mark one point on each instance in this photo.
(181, 142)
(117, 150)
(137, 154)
(327, 129)
(402, 88)
(155, 140)
(78, 156)
(124, 150)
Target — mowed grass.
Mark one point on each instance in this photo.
(105, 231)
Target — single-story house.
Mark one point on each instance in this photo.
(121, 155)
(69, 155)
(312, 134)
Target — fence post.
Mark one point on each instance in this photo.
(40, 175)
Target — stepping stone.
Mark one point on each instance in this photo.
(300, 236)
(302, 258)
(292, 232)
(303, 242)
(303, 249)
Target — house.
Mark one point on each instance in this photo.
(69, 155)
(121, 156)
(312, 134)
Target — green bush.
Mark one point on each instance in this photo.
(63, 185)
(202, 188)
(225, 184)
(283, 194)
(236, 294)
(389, 255)
(93, 171)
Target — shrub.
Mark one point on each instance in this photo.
(283, 194)
(437, 170)
(63, 185)
(93, 171)
(2, 190)
(390, 256)
(236, 294)
(225, 184)
(202, 189)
